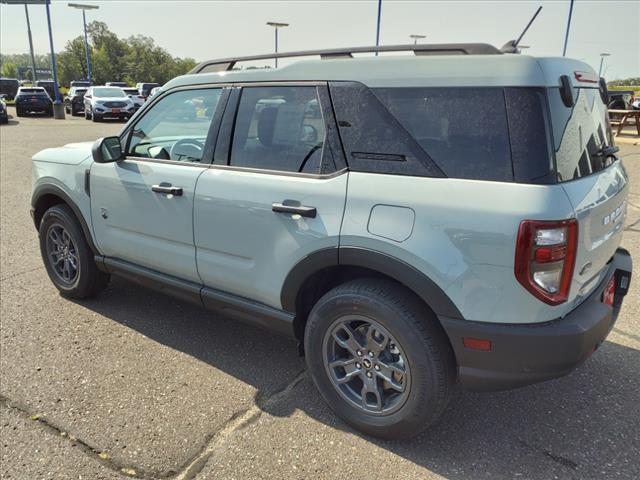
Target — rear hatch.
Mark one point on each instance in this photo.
(592, 176)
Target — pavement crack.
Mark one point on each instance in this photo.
(237, 422)
(564, 461)
(24, 272)
(52, 429)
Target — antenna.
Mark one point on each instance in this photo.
(512, 45)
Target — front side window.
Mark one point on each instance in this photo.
(176, 127)
(279, 128)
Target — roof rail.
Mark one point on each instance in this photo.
(225, 64)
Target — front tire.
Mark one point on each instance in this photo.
(379, 358)
(67, 256)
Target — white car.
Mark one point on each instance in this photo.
(137, 99)
(154, 91)
(107, 102)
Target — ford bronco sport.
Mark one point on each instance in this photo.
(414, 221)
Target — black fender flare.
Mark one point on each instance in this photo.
(48, 189)
(380, 262)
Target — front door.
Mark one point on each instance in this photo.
(142, 207)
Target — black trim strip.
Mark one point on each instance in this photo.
(227, 304)
(380, 262)
(248, 311)
(49, 189)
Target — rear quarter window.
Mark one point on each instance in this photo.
(464, 130)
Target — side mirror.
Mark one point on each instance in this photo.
(106, 150)
(3, 96)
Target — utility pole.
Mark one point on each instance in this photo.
(276, 26)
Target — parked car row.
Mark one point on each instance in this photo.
(113, 100)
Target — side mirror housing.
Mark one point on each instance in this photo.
(107, 150)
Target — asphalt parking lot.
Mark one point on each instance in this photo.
(133, 383)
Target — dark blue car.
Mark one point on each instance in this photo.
(33, 100)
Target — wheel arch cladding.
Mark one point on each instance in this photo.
(325, 269)
(45, 197)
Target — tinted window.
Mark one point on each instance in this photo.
(373, 139)
(279, 128)
(108, 92)
(529, 135)
(464, 130)
(32, 91)
(176, 127)
(579, 133)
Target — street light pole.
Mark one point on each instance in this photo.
(34, 78)
(602, 55)
(84, 8)
(416, 38)
(276, 26)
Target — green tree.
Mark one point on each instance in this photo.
(72, 63)
(9, 70)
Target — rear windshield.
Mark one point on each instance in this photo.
(579, 133)
(33, 91)
(108, 92)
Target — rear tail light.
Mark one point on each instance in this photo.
(545, 258)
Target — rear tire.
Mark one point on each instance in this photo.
(67, 256)
(87, 114)
(19, 112)
(379, 358)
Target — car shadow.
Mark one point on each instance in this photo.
(12, 122)
(584, 425)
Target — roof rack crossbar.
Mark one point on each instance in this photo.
(226, 64)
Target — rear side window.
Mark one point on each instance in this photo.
(464, 130)
(281, 129)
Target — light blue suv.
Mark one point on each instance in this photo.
(415, 221)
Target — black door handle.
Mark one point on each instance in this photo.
(168, 189)
(309, 212)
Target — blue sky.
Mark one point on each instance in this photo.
(210, 29)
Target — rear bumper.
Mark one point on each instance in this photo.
(522, 354)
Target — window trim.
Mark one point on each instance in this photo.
(222, 152)
(212, 133)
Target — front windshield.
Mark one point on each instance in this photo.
(109, 92)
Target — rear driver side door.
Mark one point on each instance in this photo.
(142, 206)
